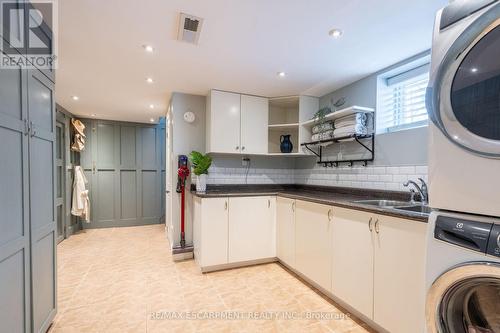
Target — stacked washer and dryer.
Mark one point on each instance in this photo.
(463, 101)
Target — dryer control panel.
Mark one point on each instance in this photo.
(473, 235)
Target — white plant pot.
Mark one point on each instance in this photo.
(201, 183)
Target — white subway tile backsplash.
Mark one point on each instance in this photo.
(372, 177)
(407, 170)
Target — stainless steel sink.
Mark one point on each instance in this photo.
(406, 206)
(417, 209)
(383, 203)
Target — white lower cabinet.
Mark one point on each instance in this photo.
(210, 231)
(399, 288)
(313, 241)
(378, 266)
(232, 230)
(373, 263)
(285, 230)
(252, 228)
(352, 259)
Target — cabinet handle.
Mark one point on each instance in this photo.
(268, 203)
(237, 148)
(243, 148)
(329, 215)
(370, 224)
(225, 205)
(293, 206)
(32, 129)
(26, 127)
(93, 167)
(377, 229)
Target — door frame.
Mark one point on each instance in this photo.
(60, 123)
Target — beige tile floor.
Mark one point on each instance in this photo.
(124, 280)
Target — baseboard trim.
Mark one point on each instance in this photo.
(239, 264)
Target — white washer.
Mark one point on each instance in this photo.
(463, 274)
(463, 101)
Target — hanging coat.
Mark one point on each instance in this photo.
(81, 202)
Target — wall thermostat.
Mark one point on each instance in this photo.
(189, 117)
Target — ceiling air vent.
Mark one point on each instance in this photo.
(189, 28)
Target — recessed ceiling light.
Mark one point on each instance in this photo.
(148, 48)
(335, 33)
(75, 98)
(281, 74)
(152, 120)
(474, 70)
(149, 80)
(151, 106)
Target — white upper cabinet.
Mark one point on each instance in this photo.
(237, 124)
(254, 120)
(223, 122)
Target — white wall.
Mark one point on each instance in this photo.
(186, 137)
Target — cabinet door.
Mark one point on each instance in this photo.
(254, 124)
(14, 204)
(313, 242)
(224, 122)
(214, 229)
(41, 106)
(399, 275)
(251, 228)
(352, 259)
(285, 230)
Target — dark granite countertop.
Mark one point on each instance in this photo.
(335, 196)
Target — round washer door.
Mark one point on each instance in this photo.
(466, 101)
(466, 299)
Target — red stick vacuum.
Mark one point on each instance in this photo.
(182, 175)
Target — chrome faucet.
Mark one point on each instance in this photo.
(423, 189)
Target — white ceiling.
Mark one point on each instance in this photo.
(243, 44)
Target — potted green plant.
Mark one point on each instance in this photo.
(201, 163)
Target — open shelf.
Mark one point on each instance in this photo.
(341, 113)
(339, 139)
(283, 126)
(335, 163)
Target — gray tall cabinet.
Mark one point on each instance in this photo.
(27, 215)
(124, 164)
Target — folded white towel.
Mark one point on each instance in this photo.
(322, 127)
(323, 136)
(352, 119)
(350, 130)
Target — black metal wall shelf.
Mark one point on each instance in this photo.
(357, 138)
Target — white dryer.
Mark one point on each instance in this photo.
(463, 274)
(463, 101)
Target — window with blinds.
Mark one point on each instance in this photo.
(401, 102)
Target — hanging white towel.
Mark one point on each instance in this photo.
(81, 201)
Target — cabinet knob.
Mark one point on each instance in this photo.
(243, 148)
(237, 148)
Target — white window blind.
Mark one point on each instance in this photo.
(402, 101)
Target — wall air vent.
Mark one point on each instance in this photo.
(189, 28)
